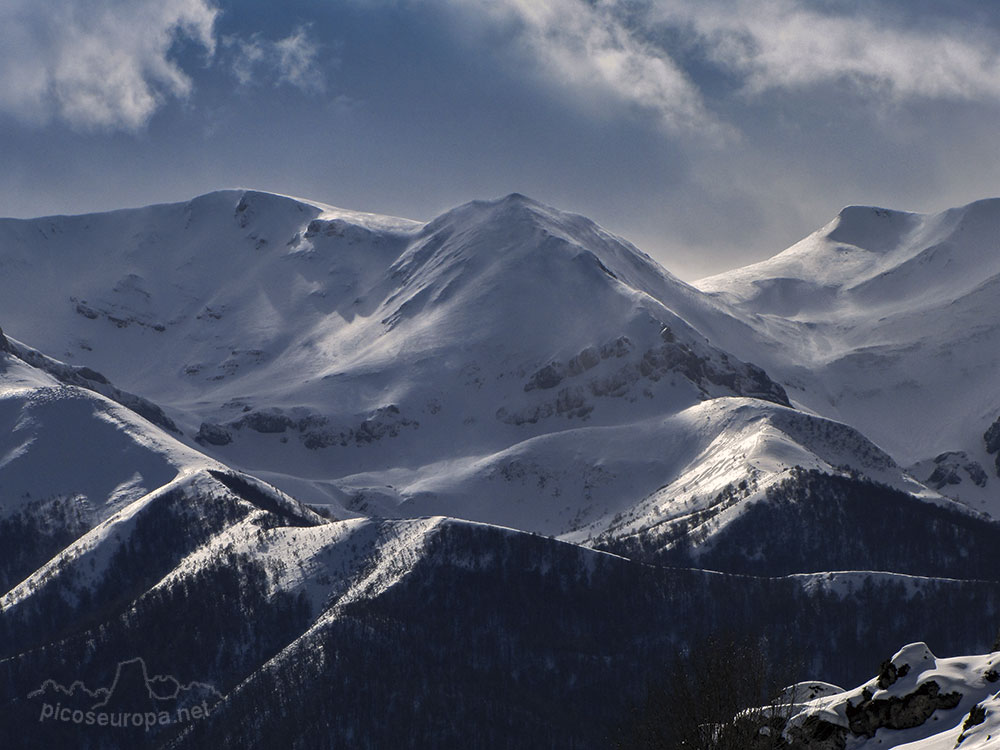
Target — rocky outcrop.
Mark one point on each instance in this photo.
(867, 716)
(269, 421)
(976, 717)
(706, 368)
(315, 430)
(992, 438)
(554, 373)
(948, 469)
(548, 377)
(888, 673)
(569, 402)
(816, 734)
(213, 434)
(703, 368)
(121, 317)
(386, 421)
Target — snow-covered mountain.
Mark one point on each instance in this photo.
(80, 461)
(887, 321)
(280, 446)
(505, 362)
(367, 362)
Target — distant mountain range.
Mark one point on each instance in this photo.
(474, 482)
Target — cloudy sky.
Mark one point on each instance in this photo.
(709, 132)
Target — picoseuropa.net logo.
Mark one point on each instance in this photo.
(135, 700)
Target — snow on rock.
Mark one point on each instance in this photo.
(917, 701)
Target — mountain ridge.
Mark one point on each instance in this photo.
(899, 343)
(452, 469)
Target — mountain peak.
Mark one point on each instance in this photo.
(517, 198)
(871, 227)
(859, 210)
(241, 195)
(486, 210)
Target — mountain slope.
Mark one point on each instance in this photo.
(886, 320)
(462, 632)
(312, 345)
(70, 457)
(506, 363)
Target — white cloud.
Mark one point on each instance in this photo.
(96, 64)
(787, 44)
(587, 48)
(293, 60)
(108, 64)
(605, 50)
(297, 61)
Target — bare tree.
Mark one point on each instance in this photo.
(722, 693)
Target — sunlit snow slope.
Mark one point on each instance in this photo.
(887, 321)
(383, 366)
(506, 362)
(177, 381)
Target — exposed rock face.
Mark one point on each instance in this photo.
(992, 438)
(571, 402)
(584, 361)
(948, 467)
(816, 734)
(888, 673)
(554, 373)
(4, 345)
(742, 378)
(86, 311)
(265, 421)
(385, 421)
(548, 377)
(704, 369)
(121, 317)
(88, 374)
(912, 710)
(213, 434)
(315, 430)
(976, 717)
